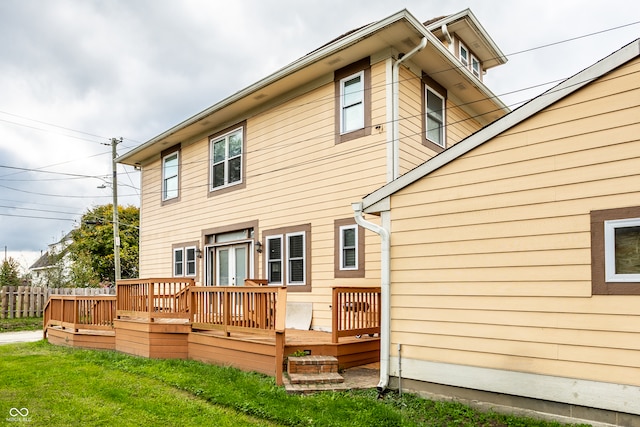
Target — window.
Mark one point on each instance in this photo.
(353, 101)
(349, 249)
(615, 251)
(295, 258)
(178, 262)
(274, 259)
(170, 176)
(287, 257)
(622, 250)
(475, 66)
(435, 117)
(184, 261)
(464, 55)
(227, 159)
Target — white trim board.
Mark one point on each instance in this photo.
(592, 394)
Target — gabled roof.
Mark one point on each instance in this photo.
(400, 32)
(468, 28)
(371, 202)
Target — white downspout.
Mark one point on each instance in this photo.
(395, 142)
(385, 292)
(448, 37)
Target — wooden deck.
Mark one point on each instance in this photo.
(241, 327)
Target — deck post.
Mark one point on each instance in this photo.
(335, 312)
(150, 301)
(280, 342)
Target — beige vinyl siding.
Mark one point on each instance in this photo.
(413, 152)
(491, 257)
(295, 174)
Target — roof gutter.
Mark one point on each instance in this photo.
(385, 292)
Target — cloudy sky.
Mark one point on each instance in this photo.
(76, 73)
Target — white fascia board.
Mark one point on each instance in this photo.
(572, 84)
(295, 66)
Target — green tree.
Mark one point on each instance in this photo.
(10, 273)
(92, 246)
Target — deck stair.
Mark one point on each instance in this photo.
(308, 374)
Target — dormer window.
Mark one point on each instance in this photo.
(464, 55)
(475, 66)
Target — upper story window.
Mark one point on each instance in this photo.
(469, 60)
(227, 159)
(170, 176)
(353, 101)
(464, 55)
(170, 158)
(435, 117)
(475, 66)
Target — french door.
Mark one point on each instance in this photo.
(232, 264)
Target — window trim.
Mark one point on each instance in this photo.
(338, 271)
(362, 66)
(284, 233)
(176, 149)
(428, 82)
(214, 191)
(599, 283)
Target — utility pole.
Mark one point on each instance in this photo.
(116, 228)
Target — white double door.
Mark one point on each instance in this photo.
(228, 265)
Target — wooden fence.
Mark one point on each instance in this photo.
(28, 301)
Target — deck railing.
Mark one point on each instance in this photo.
(356, 311)
(239, 309)
(153, 298)
(80, 312)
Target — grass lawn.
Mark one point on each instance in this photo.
(63, 386)
(21, 324)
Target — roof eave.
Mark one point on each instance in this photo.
(572, 84)
(295, 66)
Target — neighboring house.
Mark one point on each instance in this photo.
(514, 255)
(52, 268)
(259, 185)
